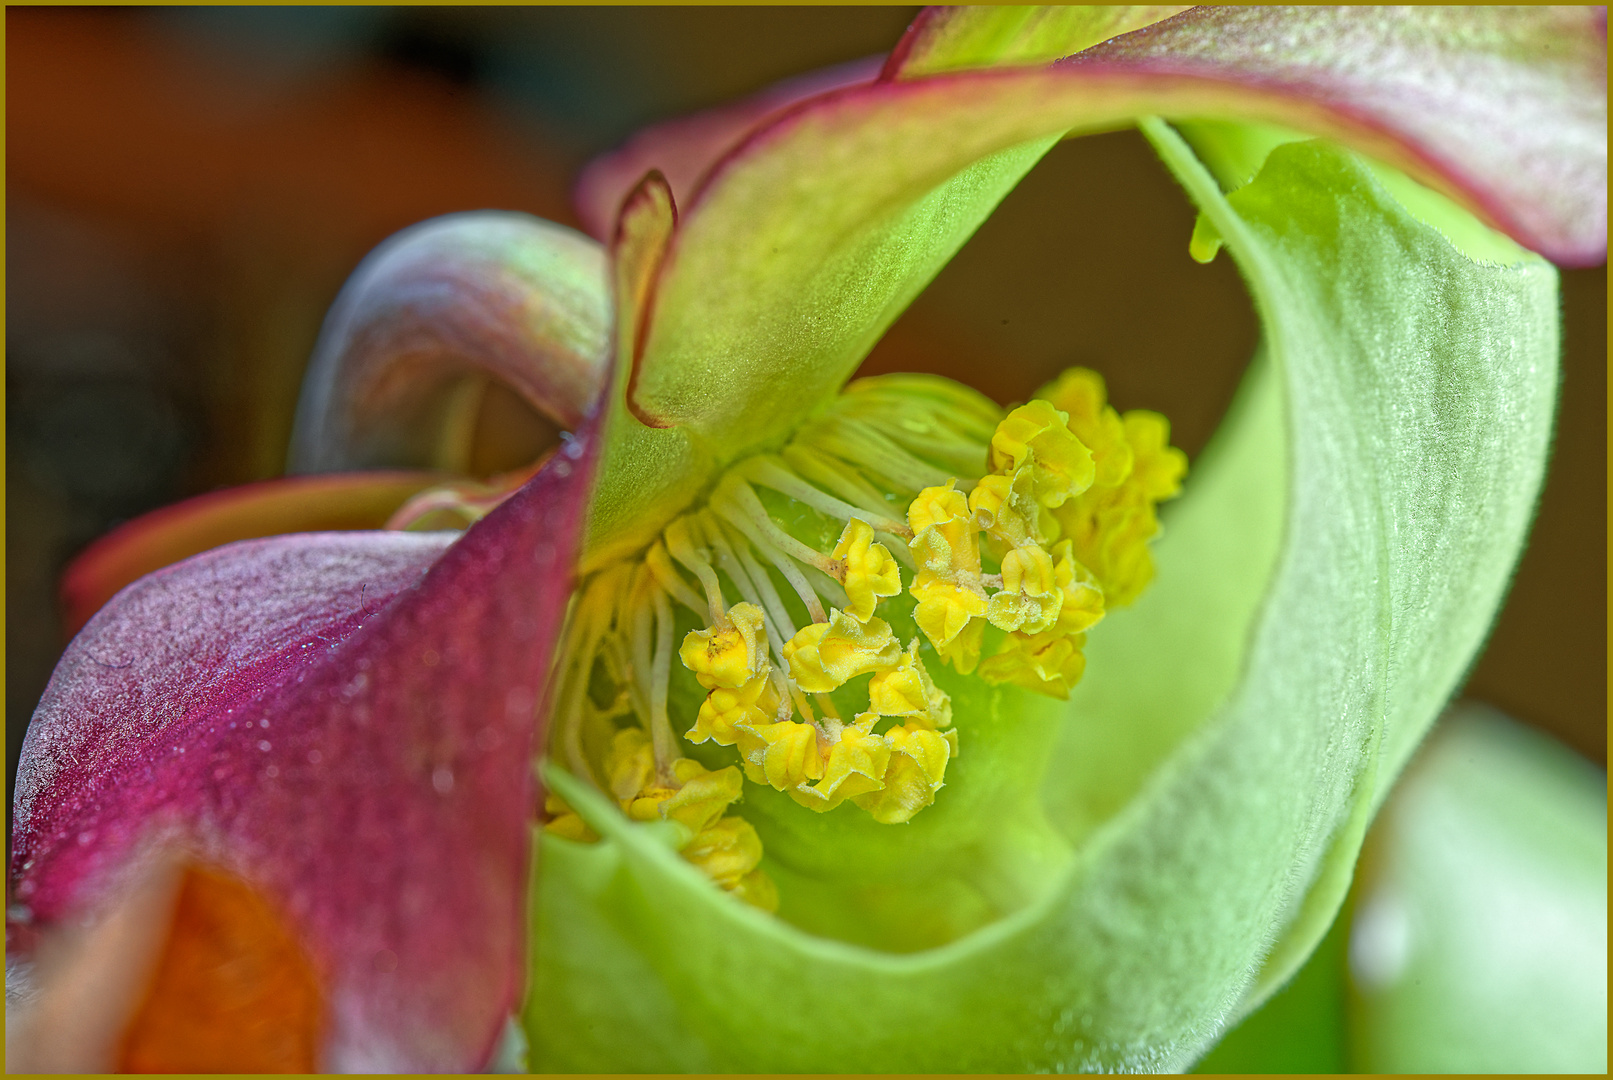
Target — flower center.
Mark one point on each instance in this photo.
(910, 523)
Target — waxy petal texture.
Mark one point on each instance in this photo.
(291, 504)
(1502, 108)
(345, 721)
(1410, 397)
(972, 36)
(504, 295)
(809, 239)
(682, 150)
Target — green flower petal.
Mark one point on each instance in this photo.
(1413, 388)
(811, 237)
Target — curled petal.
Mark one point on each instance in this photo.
(487, 294)
(345, 722)
(1319, 596)
(805, 243)
(1504, 109)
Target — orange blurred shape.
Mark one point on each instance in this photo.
(338, 501)
(232, 991)
(106, 112)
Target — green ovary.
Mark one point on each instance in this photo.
(838, 677)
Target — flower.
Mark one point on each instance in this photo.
(1105, 884)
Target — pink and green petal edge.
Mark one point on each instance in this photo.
(345, 720)
(682, 150)
(291, 504)
(433, 311)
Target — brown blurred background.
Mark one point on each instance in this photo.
(188, 188)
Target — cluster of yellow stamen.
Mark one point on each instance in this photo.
(1062, 508)
(822, 762)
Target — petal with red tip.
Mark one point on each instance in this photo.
(344, 721)
(683, 149)
(291, 504)
(814, 234)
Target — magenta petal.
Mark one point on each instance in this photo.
(683, 149)
(504, 295)
(1508, 104)
(345, 720)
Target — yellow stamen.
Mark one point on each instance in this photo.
(726, 709)
(1030, 598)
(871, 573)
(916, 770)
(856, 766)
(823, 656)
(1080, 394)
(1049, 663)
(1037, 434)
(907, 691)
(725, 851)
(1112, 523)
(784, 754)
(728, 655)
(948, 586)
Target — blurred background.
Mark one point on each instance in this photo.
(187, 188)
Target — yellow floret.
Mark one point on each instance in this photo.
(963, 651)
(1049, 663)
(757, 890)
(950, 595)
(724, 710)
(784, 755)
(1004, 505)
(630, 764)
(1080, 394)
(823, 656)
(907, 691)
(936, 506)
(945, 539)
(917, 768)
(1030, 598)
(871, 572)
(565, 822)
(1083, 598)
(703, 796)
(1037, 434)
(857, 765)
(945, 607)
(1110, 527)
(726, 850)
(730, 654)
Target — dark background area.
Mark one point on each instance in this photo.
(188, 188)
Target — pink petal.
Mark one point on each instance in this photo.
(504, 295)
(291, 504)
(1507, 106)
(683, 149)
(347, 722)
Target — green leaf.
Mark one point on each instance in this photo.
(1480, 939)
(1249, 717)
